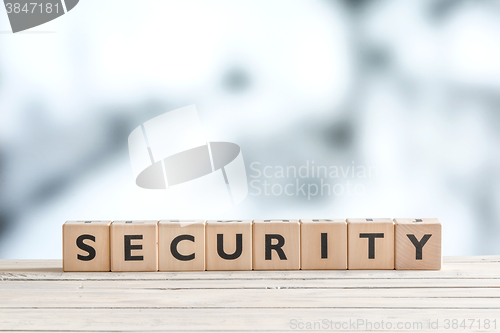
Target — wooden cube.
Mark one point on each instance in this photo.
(181, 245)
(276, 244)
(229, 245)
(134, 246)
(323, 244)
(86, 246)
(418, 243)
(370, 243)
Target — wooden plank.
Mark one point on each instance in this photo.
(242, 298)
(38, 296)
(220, 320)
(471, 259)
(376, 283)
(51, 270)
(105, 287)
(54, 264)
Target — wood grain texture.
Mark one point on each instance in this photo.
(311, 242)
(229, 231)
(143, 253)
(287, 256)
(426, 256)
(94, 234)
(191, 250)
(39, 296)
(381, 253)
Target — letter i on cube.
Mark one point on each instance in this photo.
(323, 244)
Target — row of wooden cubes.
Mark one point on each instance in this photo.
(176, 245)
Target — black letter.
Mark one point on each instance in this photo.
(371, 243)
(85, 247)
(129, 247)
(324, 246)
(418, 245)
(276, 247)
(173, 247)
(237, 252)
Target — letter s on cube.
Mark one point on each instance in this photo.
(86, 246)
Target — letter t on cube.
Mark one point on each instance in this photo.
(371, 243)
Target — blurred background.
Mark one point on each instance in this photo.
(411, 88)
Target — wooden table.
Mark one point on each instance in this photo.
(38, 296)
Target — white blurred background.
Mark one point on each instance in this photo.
(410, 87)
